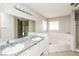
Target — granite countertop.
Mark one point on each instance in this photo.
(28, 43)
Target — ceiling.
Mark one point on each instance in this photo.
(50, 10)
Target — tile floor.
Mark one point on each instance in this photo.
(64, 53)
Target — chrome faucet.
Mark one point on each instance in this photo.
(8, 42)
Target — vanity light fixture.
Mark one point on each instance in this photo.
(74, 4)
(22, 10)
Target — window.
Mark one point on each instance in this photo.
(53, 25)
(44, 25)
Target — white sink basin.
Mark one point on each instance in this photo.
(13, 49)
(37, 39)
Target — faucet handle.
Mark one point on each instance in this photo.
(7, 41)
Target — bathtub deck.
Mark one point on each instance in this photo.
(59, 42)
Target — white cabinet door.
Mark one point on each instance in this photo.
(35, 50)
(27, 52)
(44, 47)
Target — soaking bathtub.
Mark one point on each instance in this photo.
(59, 41)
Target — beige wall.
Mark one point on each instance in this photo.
(7, 26)
(0, 19)
(0, 25)
(15, 27)
(73, 30)
(64, 23)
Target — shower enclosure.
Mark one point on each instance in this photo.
(77, 28)
(77, 35)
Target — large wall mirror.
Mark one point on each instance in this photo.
(13, 27)
(24, 26)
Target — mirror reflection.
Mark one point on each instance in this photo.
(14, 27)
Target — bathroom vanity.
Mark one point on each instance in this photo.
(36, 49)
(27, 46)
